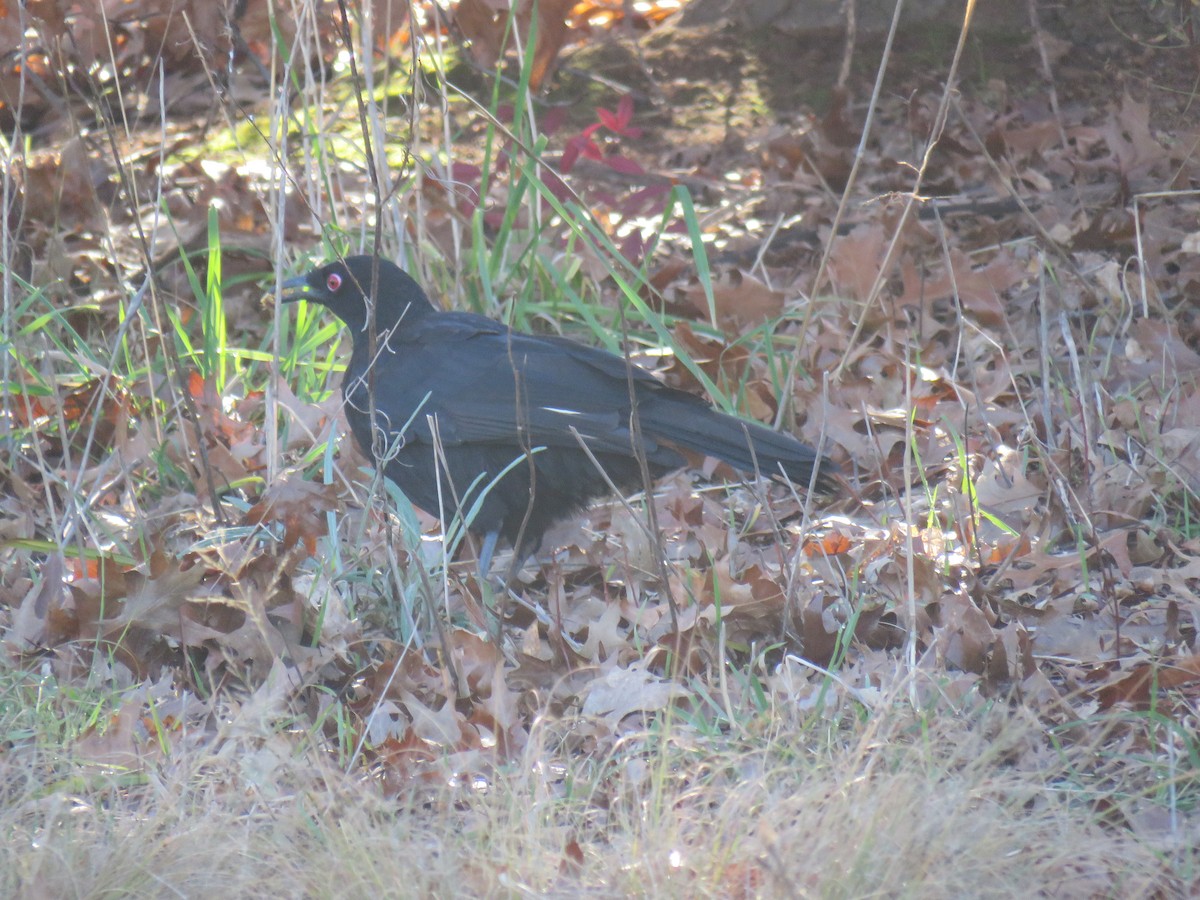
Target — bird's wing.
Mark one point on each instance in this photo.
(487, 384)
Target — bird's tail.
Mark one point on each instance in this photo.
(745, 445)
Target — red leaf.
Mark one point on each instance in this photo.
(618, 122)
(610, 121)
(570, 154)
(468, 172)
(624, 111)
(553, 119)
(623, 164)
(633, 248)
(558, 188)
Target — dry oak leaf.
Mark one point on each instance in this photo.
(1146, 680)
(620, 692)
(979, 290)
(300, 506)
(59, 189)
(741, 302)
(854, 260)
(484, 23)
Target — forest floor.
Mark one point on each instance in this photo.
(233, 659)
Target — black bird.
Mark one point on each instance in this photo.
(500, 401)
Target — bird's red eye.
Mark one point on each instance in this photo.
(333, 281)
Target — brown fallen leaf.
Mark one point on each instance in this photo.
(1146, 682)
(620, 692)
(300, 506)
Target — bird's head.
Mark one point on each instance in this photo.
(343, 286)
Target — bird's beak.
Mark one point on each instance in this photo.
(298, 288)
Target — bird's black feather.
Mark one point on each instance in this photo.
(499, 398)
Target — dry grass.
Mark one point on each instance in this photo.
(945, 804)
